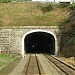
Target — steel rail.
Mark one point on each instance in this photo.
(38, 65)
(28, 65)
(68, 70)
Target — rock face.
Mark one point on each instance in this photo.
(68, 36)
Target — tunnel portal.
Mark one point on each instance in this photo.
(39, 42)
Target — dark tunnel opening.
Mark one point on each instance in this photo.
(39, 42)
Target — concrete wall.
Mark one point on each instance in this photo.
(11, 38)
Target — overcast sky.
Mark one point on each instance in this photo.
(51, 0)
(40, 0)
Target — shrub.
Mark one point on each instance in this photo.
(46, 7)
(63, 5)
(5, 1)
(72, 6)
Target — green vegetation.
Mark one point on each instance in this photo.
(69, 48)
(46, 7)
(72, 6)
(5, 1)
(5, 59)
(68, 39)
(30, 14)
(63, 5)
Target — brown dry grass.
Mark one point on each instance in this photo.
(28, 14)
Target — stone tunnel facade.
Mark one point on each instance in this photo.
(12, 38)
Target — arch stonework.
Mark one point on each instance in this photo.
(39, 30)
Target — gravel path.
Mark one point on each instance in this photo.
(47, 67)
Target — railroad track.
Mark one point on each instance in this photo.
(33, 66)
(66, 69)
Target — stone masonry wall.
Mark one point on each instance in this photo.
(11, 37)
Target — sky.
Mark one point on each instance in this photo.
(51, 0)
(39, 0)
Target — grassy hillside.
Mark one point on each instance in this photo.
(30, 14)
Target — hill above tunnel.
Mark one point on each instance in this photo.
(32, 14)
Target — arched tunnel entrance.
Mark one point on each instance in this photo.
(39, 42)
